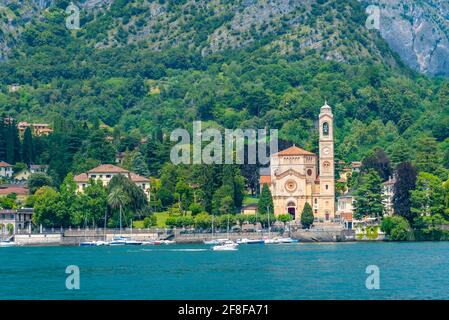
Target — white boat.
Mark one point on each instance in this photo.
(287, 240)
(101, 243)
(280, 240)
(225, 247)
(7, 243)
(118, 241)
(168, 241)
(270, 241)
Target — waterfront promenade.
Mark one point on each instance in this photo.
(73, 237)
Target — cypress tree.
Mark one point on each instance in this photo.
(12, 144)
(27, 147)
(266, 200)
(2, 140)
(307, 216)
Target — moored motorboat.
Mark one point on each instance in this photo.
(270, 241)
(287, 240)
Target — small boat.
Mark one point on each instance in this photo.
(7, 243)
(168, 241)
(118, 241)
(101, 243)
(148, 243)
(287, 240)
(225, 247)
(280, 240)
(270, 241)
(250, 241)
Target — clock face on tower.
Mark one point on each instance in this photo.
(326, 151)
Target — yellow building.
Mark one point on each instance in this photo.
(106, 172)
(298, 176)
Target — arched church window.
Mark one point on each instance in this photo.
(309, 172)
(325, 129)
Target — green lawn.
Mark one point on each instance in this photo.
(161, 218)
(250, 200)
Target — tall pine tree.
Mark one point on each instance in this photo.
(265, 201)
(27, 147)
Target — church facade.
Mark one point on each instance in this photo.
(297, 176)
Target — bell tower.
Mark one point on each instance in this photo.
(326, 210)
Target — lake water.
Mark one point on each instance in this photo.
(294, 271)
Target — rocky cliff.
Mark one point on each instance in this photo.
(418, 31)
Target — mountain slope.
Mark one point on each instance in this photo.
(277, 75)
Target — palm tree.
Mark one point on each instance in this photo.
(117, 199)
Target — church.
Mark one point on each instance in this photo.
(297, 176)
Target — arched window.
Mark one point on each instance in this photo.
(325, 129)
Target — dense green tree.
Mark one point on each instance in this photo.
(27, 147)
(378, 160)
(396, 228)
(93, 203)
(138, 164)
(49, 209)
(405, 182)
(369, 197)
(307, 216)
(427, 198)
(265, 200)
(37, 180)
(428, 157)
(13, 146)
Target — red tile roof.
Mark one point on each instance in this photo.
(294, 151)
(81, 178)
(19, 190)
(136, 178)
(4, 164)
(265, 179)
(108, 168)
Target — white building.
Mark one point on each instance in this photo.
(5, 170)
(106, 172)
(388, 194)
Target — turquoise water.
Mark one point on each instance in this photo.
(295, 271)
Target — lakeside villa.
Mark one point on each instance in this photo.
(106, 172)
(297, 176)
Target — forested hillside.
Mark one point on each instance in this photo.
(147, 67)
